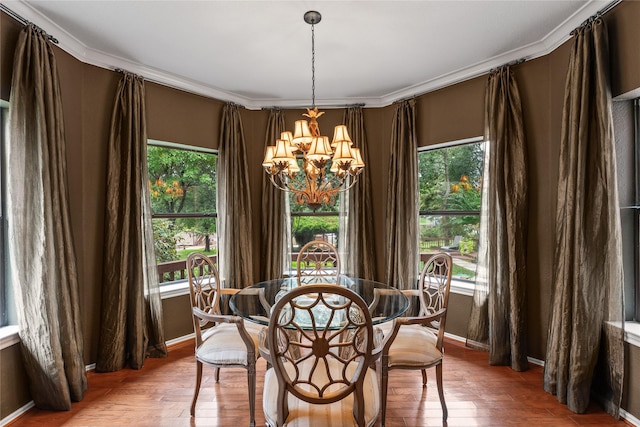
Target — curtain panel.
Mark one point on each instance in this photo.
(235, 258)
(588, 279)
(275, 221)
(41, 250)
(402, 200)
(357, 244)
(499, 311)
(131, 317)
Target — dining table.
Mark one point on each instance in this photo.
(254, 302)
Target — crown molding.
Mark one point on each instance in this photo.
(90, 56)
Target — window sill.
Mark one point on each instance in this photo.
(631, 332)
(8, 336)
(174, 289)
(462, 288)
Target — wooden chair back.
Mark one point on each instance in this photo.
(318, 262)
(320, 338)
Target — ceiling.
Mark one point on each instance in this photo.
(258, 53)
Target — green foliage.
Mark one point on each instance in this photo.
(304, 228)
(164, 237)
(183, 254)
(450, 180)
(437, 169)
(467, 246)
(181, 180)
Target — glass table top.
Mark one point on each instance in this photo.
(254, 303)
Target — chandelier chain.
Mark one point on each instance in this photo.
(313, 66)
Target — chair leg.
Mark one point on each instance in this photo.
(197, 390)
(251, 379)
(217, 373)
(424, 378)
(384, 383)
(445, 413)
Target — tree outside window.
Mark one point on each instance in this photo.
(450, 185)
(182, 187)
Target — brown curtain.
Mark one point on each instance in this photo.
(41, 252)
(499, 310)
(588, 254)
(131, 317)
(275, 223)
(357, 246)
(235, 256)
(402, 200)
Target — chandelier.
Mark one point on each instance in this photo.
(327, 168)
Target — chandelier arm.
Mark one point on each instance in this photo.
(351, 184)
(279, 186)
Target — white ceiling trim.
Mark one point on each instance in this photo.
(90, 56)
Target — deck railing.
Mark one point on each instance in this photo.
(177, 270)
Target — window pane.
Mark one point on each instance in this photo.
(182, 185)
(181, 181)
(305, 228)
(4, 294)
(450, 182)
(176, 238)
(450, 178)
(455, 234)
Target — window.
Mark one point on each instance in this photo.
(450, 182)
(5, 292)
(182, 184)
(627, 132)
(308, 225)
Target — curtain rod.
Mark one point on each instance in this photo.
(322, 106)
(598, 14)
(26, 22)
(508, 64)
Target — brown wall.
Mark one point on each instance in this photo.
(452, 113)
(177, 320)
(631, 390)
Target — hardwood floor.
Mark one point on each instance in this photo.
(160, 395)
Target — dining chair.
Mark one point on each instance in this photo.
(317, 376)
(222, 341)
(318, 262)
(416, 342)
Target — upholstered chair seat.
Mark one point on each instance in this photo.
(223, 345)
(305, 414)
(414, 345)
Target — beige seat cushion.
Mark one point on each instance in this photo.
(303, 414)
(223, 345)
(414, 345)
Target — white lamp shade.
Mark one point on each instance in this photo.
(343, 153)
(357, 164)
(283, 152)
(302, 133)
(268, 156)
(287, 137)
(293, 167)
(340, 134)
(320, 149)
